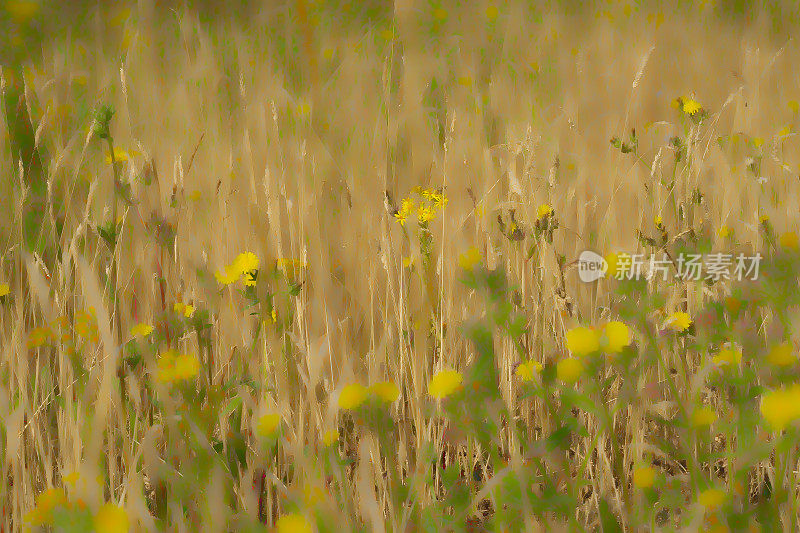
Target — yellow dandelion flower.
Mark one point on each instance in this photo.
(763, 219)
(5, 289)
(385, 391)
(293, 523)
(644, 477)
(582, 341)
(724, 232)
(782, 355)
(268, 425)
(444, 383)
(789, 240)
(678, 321)
(781, 407)
(728, 356)
(569, 370)
(711, 499)
(690, 106)
(425, 214)
(111, 518)
(330, 437)
(617, 336)
(39, 336)
(528, 370)
(703, 416)
(543, 211)
(246, 262)
(469, 259)
(351, 396)
(120, 156)
(141, 330)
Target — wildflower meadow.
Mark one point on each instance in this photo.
(315, 266)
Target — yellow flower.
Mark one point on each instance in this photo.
(644, 477)
(781, 407)
(789, 240)
(582, 341)
(141, 330)
(330, 437)
(690, 106)
(406, 208)
(724, 232)
(658, 220)
(543, 211)
(444, 383)
(469, 259)
(678, 321)
(728, 356)
(246, 262)
(293, 523)
(268, 424)
(385, 391)
(703, 416)
(711, 499)
(763, 219)
(352, 396)
(111, 519)
(39, 336)
(492, 12)
(183, 309)
(781, 355)
(527, 370)
(617, 335)
(425, 214)
(120, 156)
(5, 289)
(569, 370)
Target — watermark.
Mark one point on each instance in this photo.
(685, 267)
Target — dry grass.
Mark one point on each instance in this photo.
(281, 134)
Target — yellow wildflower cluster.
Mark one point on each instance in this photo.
(528, 370)
(174, 366)
(355, 394)
(245, 264)
(5, 289)
(422, 204)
